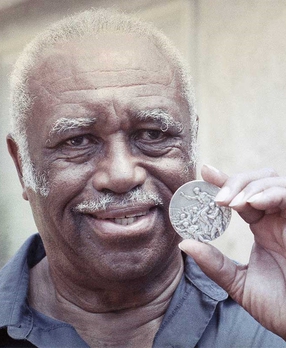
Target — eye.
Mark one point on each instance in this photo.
(78, 141)
(150, 134)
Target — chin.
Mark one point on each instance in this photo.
(140, 265)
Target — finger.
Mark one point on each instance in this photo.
(213, 175)
(251, 215)
(217, 266)
(256, 187)
(252, 183)
(261, 197)
(271, 200)
(233, 190)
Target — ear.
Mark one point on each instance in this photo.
(14, 152)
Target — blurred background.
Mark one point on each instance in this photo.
(236, 50)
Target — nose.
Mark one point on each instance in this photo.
(119, 171)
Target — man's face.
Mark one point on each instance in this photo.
(98, 131)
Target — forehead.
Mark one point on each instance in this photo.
(102, 72)
(123, 59)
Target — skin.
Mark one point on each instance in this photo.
(95, 267)
(260, 199)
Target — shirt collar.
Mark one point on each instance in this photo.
(14, 282)
(23, 322)
(191, 309)
(195, 275)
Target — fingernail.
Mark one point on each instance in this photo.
(182, 244)
(238, 199)
(212, 168)
(255, 197)
(222, 194)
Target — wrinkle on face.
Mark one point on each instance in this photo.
(118, 80)
(99, 59)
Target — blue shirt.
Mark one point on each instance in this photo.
(200, 314)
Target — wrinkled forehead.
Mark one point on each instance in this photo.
(96, 71)
(106, 53)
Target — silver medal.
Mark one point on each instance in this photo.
(194, 213)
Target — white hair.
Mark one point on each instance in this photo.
(120, 200)
(88, 23)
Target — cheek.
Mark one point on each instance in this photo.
(68, 181)
(52, 214)
(172, 172)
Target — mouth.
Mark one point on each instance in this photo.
(127, 219)
(119, 222)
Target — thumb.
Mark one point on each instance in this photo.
(217, 266)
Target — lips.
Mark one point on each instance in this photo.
(119, 218)
(121, 221)
(124, 220)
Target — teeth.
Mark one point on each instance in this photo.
(125, 221)
(129, 219)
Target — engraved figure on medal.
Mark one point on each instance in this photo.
(194, 213)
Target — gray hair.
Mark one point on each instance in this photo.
(87, 23)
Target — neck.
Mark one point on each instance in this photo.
(135, 311)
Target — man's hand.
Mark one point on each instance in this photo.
(260, 287)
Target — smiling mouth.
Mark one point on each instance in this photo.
(126, 219)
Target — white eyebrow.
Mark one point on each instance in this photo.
(64, 124)
(162, 116)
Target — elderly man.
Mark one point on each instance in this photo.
(104, 133)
